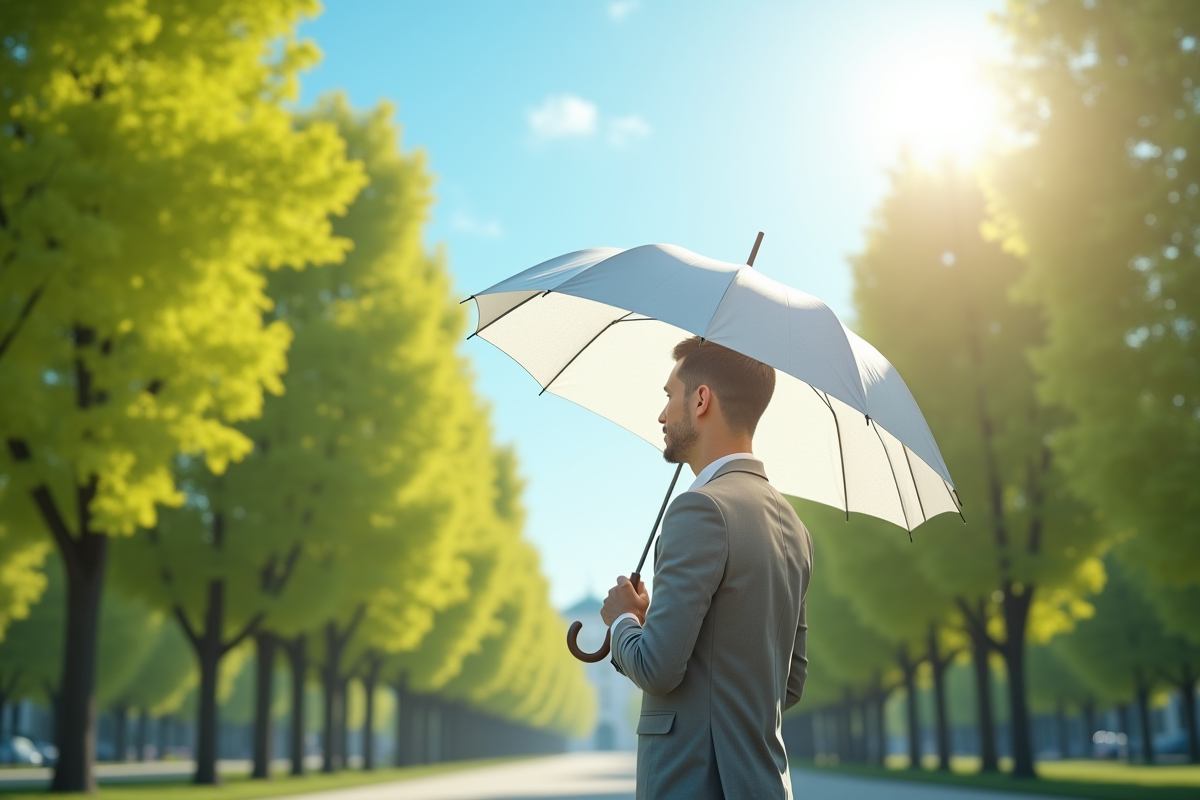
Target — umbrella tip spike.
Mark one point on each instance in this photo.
(754, 252)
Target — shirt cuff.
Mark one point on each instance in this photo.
(612, 629)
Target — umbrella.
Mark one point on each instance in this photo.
(842, 428)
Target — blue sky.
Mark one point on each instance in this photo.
(554, 126)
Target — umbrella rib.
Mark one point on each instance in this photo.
(585, 347)
(899, 496)
(506, 313)
(954, 497)
(917, 489)
(837, 426)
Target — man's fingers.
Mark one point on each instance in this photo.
(622, 580)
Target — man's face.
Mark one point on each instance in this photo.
(679, 431)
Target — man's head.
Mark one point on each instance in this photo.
(714, 395)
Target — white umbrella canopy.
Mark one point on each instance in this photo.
(597, 327)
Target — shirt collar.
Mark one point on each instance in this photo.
(708, 472)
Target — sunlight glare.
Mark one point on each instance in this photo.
(933, 99)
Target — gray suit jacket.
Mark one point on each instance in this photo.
(722, 653)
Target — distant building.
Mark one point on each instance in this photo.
(618, 701)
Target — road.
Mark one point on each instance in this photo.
(609, 776)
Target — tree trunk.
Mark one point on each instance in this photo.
(980, 653)
(914, 722)
(208, 653)
(879, 701)
(1126, 728)
(85, 558)
(938, 667)
(120, 734)
(403, 722)
(1143, 703)
(1016, 619)
(343, 720)
(162, 727)
(331, 677)
(143, 732)
(370, 681)
(1187, 692)
(1064, 739)
(1089, 726)
(298, 661)
(330, 685)
(845, 730)
(264, 644)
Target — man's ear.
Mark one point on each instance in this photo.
(704, 398)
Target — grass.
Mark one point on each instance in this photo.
(1091, 780)
(240, 787)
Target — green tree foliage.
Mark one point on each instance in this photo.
(136, 666)
(1124, 652)
(933, 295)
(1103, 205)
(151, 172)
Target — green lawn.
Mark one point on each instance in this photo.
(1092, 780)
(240, 787)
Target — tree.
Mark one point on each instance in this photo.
(933, 294)
(151, 171)
(847, 657)
(1053, 687)
(1124, 651)
(1102, 203)
(872, 567)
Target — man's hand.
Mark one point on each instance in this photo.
(622, 599)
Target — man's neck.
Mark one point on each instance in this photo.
(707, 455)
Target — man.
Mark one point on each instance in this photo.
(720, 655)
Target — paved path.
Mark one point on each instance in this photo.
(609, 776)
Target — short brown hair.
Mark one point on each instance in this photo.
(743, 386)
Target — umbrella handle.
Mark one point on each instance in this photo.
(577, 626)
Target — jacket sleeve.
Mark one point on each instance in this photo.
(798, 670)
(687, 573)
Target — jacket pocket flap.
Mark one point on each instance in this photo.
(656, 722)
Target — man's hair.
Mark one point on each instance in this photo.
(742, 385)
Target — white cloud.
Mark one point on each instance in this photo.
(563, 116)
(618, 10)
(623, 131)
(465, 223)
(567, 116)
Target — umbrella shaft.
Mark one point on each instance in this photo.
(637, 573)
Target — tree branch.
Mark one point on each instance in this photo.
(188, 630)
(26, 309)
(977, 625)
(1037, 494)
(56, 524)
(250, 628)
(359, 613)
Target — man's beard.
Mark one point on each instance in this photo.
(680, 438)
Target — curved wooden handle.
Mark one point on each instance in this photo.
(573, 646)
(577, 626)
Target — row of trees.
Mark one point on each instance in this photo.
(1044, 312)
(232, 405)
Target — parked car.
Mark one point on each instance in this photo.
(49, 753)
(1174, 743)
(19, 750)
(1109, 745)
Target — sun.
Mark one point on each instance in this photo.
(933, 99)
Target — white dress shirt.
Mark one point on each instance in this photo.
(704, 477)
